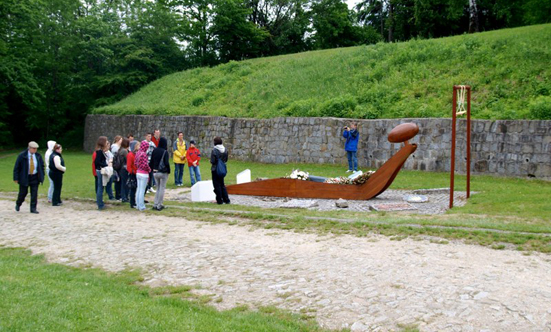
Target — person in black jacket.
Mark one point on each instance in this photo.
(160, 167)
(219, 152)
(57, 169)
(28, 172)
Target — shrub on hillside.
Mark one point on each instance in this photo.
(339, 107)
(540, 108)
(301, 108)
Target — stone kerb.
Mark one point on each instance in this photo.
(504, 147)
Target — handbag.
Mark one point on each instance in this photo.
(162, 167)
(221, 169)
(132, 182)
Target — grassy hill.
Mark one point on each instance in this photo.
(509, 71)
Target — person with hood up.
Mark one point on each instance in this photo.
(219, 152)
(161, 169)
(51, 145)
(142, 174)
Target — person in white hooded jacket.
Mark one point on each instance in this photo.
(51, 145)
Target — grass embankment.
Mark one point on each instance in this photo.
(50, 297)
(506, 211)
(508, 70)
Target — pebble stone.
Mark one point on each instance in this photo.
(363, 283)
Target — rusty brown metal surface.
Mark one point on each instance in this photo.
(283, 187)
(468, 158)
(403, 132)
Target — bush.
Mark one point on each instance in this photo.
(301, 108)
(540, 108)
(366, 112)
(339, 107)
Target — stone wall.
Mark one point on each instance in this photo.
(512, 148)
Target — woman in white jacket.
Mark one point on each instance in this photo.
(51, 145)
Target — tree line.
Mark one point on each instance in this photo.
(60, 58)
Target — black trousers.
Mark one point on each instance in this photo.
(58, 183)
(219, 189)
(132, 192)
(23, 190)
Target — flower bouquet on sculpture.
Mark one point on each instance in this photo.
(299, 175)
(361, 179)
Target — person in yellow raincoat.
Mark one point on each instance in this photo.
(179, 158)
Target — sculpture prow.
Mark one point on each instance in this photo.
(375, 185)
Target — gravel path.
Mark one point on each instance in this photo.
(365, 284)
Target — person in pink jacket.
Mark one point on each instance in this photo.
(142, 174)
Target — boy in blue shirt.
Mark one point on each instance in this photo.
(351, 146)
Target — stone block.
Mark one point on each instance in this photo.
(243, 177)
(202, 191)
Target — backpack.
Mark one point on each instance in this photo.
(162, 167)
(221, 169)
(117, 161)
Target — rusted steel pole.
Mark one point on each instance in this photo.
(468, 141)
(452, 167)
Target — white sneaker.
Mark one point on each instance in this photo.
(153, 190)
(349, 171)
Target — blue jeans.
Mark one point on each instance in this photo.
(178, 174)
(140, 192)
(194, 174)
(51, 188)
(352, 160)
(99, 190)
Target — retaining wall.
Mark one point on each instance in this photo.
(512, 148)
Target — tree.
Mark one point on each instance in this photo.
(473, 16)
(286, 21)
(333, 25)
(236, 38)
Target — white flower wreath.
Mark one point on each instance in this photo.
(299, 175)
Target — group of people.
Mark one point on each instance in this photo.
(139, 167)
(134, 168)
(29, 172)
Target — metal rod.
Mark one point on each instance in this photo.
(468, 142)
(452, 167)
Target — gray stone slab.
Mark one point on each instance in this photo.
(299, 204)
(416, 198)
(392, 207)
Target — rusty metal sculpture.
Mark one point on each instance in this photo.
(375, 185)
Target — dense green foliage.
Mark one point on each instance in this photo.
(508, 70)
(37, 296)
(61, 58)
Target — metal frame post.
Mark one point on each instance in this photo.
(453, 140)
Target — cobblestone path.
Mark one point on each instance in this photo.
(365, 284)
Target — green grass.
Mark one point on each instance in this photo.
(37, 296)
(508, 70)
(501, 212)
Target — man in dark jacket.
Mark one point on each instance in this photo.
(28, 172)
